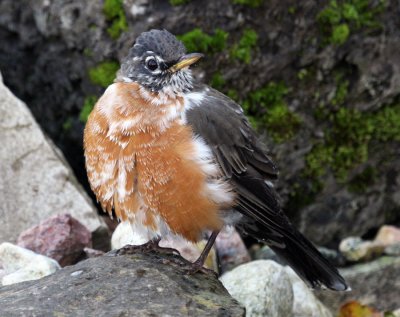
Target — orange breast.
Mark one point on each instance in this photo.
(140, 160)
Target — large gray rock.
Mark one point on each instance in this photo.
(36, 182)
(131, 285)
(305, 304)
(376, 284)
(263, 287)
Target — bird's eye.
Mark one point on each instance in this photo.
(151, 64)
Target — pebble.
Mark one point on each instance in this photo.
(305, 303)
(60, 237)
(388, 235)
(263, 287)
(355, 249)
(21, 264)
(393, 249)
(92, 253)
(231, 249)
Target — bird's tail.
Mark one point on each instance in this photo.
(309, 263)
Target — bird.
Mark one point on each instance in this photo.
(175, 157)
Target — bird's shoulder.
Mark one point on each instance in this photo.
(222, 124)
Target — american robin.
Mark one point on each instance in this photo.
(176, 157)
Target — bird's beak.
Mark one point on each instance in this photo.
(185, 61)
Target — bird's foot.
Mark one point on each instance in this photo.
(151, 246)
(198, 266)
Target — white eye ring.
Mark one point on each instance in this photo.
(151, 63)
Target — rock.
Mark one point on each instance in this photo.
(124, 235)
(2, 273)
(130, 285)
(36, 181)
(333, 256)
(266, 253)
(24, 265)
(231, 250)
(376, 284)
(393, 249)
(305, 304)
(92, 253)
(355, 249)
(60, 237)
(263, 287)
(388, 235)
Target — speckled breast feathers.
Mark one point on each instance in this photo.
(146, 164)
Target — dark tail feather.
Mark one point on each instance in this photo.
(309, 263)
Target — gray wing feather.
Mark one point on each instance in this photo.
(223, 126)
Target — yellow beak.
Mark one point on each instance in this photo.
(185, 61)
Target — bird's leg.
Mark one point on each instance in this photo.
(198, 264)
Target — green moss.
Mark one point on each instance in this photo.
(178, 2)
(340, 33)
(302, 193)
(360, 183)
(267, 108)
(88, 52)
(302, 74)
(198, 41)
(104, 73)
(217, 81)
(342, 89)
(233, 94)
(250, 3)
(67, 125)
(292, 10)
(340, 18)
(387, 124)
(87, 107)
(115, 14)
(345, 145)
(242, 50)
(348, 137)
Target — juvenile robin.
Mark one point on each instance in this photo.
(176, 157)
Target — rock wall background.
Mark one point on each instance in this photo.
(319, 79)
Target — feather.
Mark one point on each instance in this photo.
(220, 122)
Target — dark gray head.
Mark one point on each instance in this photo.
(158, 61)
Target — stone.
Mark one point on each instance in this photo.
(24, 265)
(231, 250)
(92, 253)
(355, 249)
(60, 237)
(263, 287)
(376, 284)
(266, 253)
(36, 182)
(124, 235)
(304, 301)
(130, 285)
(393, 249)
(396, 313)
(388, 235)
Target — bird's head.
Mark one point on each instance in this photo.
(158, 61)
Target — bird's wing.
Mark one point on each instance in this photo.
(221, 123)
(225, 129)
